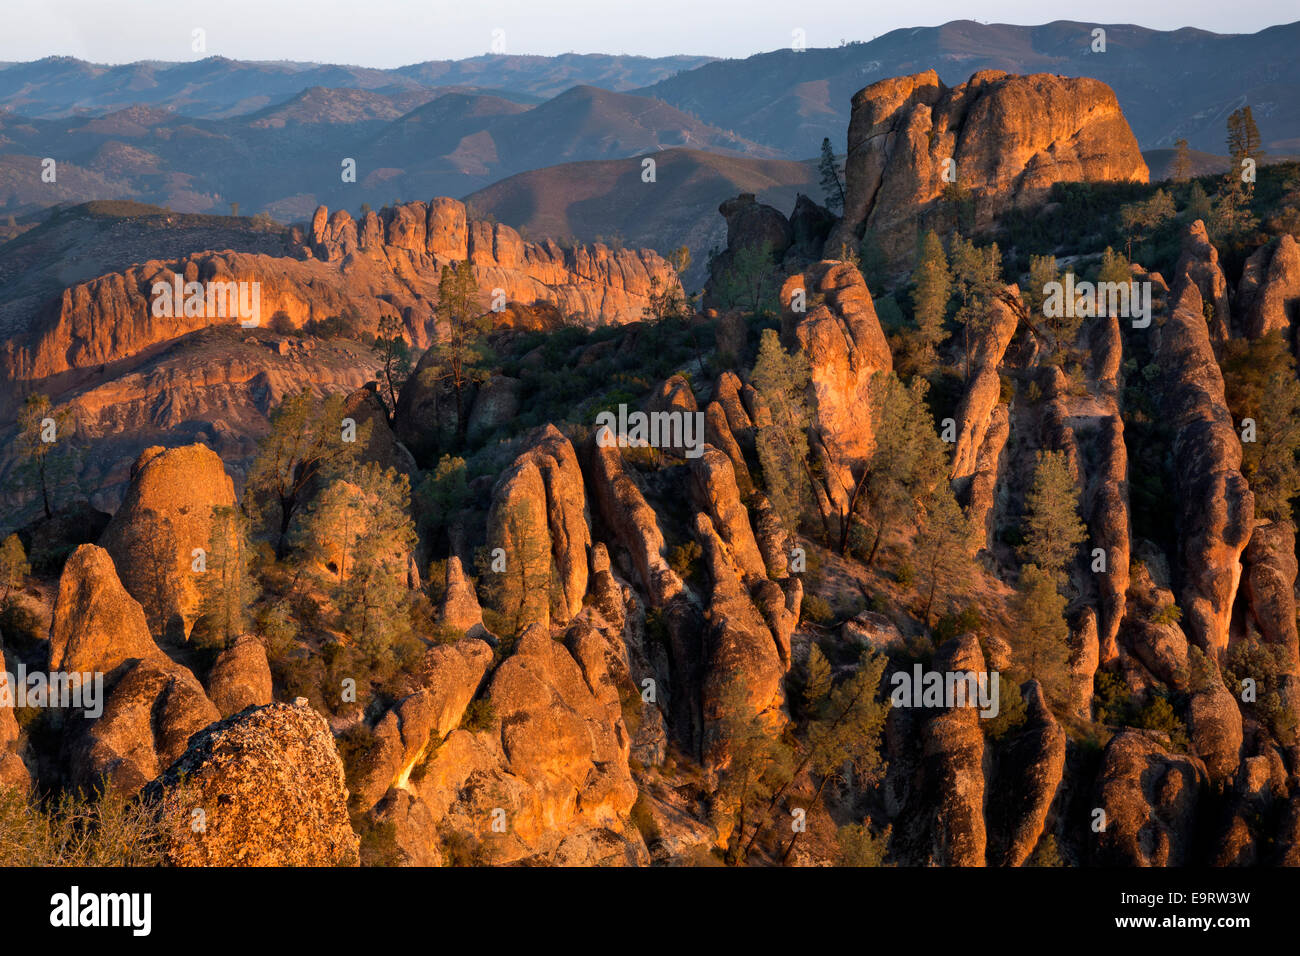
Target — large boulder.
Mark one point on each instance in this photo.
(262, 788)
(241, 677)
(97, 625)
(167, 514)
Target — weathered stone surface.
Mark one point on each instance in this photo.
(459, 608)
(1269, 582)
(975, 413)
(1084, 658)
(1215, 505)
(871, 631)
(241, 677)
(744, 669)
(539, 519)
(1199, 264)
(1150, 797)
(714, 491)
(952, 767)
(13, 773)
(97, 625)
(495, 404)
(1108, 527)
(1268, 297)
(270, 784)
(554, 760)
(1030, 771)
(151, 712)
(1214, 729)
(633, 523)
(845, 346)
(166, 515)
(1011, 137)
(404, 736)
(981, 489)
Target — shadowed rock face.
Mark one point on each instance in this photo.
(12, 771)
(269, 783)
(1031, 770)
(241, 677)
(1150, 797)
(1268, 297)
(1011, 137)
(1216, 508)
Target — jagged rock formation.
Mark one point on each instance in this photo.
(262, 788)
(974, 416)
(404, 736)
(390, 266)
(952, 768)
(539, 521)
(1009, 136)
(1030, 770)
(1216, 507)
(549, 778)
(846, 346)
(167, 514)
(1268, 296)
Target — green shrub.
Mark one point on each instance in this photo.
(817, 610)
(478, 716)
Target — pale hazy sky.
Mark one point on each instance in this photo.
(386, 33)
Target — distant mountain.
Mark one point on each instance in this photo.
(217, 87)
(1170, 84)
(287, 159)
(609, 201)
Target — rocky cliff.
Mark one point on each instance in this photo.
(997, 140)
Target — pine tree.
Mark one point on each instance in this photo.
(977, 273)
(1042, 636)
(225, 586)
(749, 282)
(463, 328)
(818, 687)
(1198, 204)
(396, 356)
(832, 177)
(781, 380)
(909, 461)
(942, 548)
(930, 297)
(1261, 385)
(1181, 168)
(13, 564)
(46, 452)
(306, 443)
(1052, 528)
(1042, 270)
